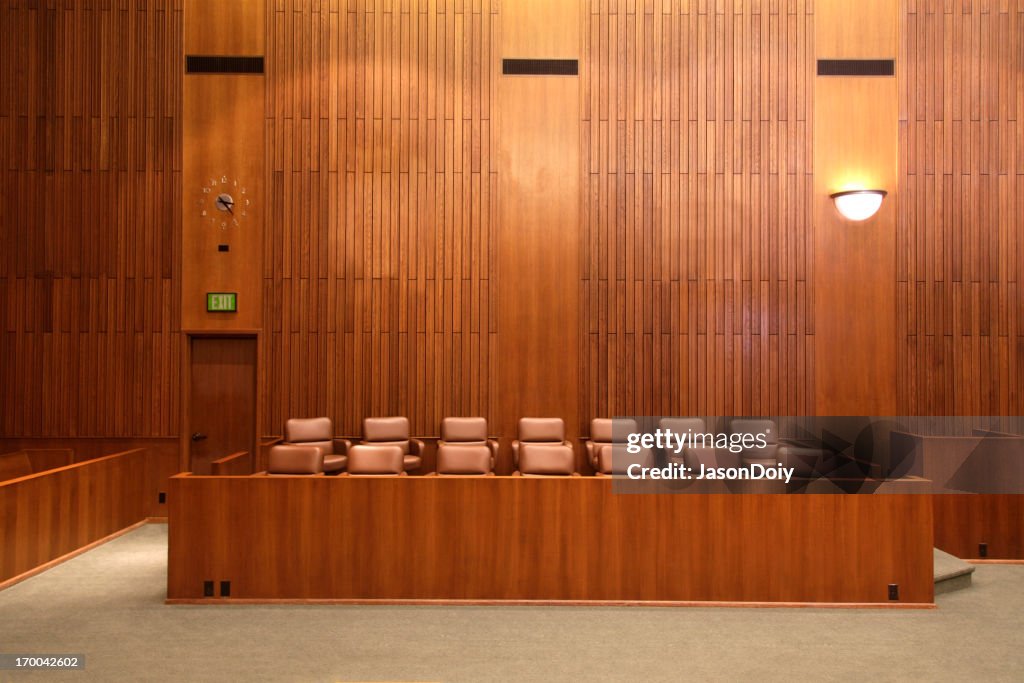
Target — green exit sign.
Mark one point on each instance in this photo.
(221, 302)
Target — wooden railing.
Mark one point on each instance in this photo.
(48, 515)
(232, 465)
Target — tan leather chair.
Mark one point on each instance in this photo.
(602, 438)
(394, 431)
(699, 451)
(788, 452)
(377, 461)
(318, 432)
(464, 448)
(541, 449)
(295, 460)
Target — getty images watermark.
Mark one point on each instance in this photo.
(676, 443)
(836, 454)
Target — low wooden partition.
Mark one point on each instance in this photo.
(514, 539)
(966, 523)
(970, 473)
(162, 458)
(48, 515)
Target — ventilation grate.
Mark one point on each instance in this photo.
(540, 67)
(222, 64)
(856, 67)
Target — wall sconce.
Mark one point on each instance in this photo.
(858, 205)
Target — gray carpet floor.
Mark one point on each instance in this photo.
(108, 605)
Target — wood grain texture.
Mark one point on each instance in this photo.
(161, 458)
(381, 286)
(47, 515)
(379, 280)
(962, 522)
(574, 539)
(223, 152)
(959, 241)
(539, 231)
(695, 259)
(90, 142)
(222, 391)
(232, 465)
(855, 148)
(30, 461)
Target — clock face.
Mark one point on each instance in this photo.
(224, 202)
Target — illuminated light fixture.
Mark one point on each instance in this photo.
(858, 205)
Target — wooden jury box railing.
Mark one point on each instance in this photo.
(510, 539)
(50, 514)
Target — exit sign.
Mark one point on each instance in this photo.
(221, 302)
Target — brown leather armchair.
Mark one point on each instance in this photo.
(606, 451)
(318, 432)
(394, 431)
(295, 460)
(541, 449)
(376, 461)
(464, 448)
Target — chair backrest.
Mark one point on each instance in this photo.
(462, 458)
(755, 427)
(546, 458)
(311, 431)
(602, 430)
(615, 459)
(682, 425)
(464, 430)
(541, 430)
(377, 459)
(287, 459)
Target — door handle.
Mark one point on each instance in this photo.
(198, 436)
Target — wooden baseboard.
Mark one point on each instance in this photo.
(155, 520)
(550, 603)
(64, 558)
(987, 561)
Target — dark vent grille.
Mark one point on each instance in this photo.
(222, 64)
(540, 67)
(856, 67)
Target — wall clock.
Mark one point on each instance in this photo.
(224, 202)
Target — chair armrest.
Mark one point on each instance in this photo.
(515, 454)
(341, 446)
(493, 445)
(416, 447)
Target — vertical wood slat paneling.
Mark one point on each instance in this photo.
(381, 194)
(959, 243)
(695, 260)
(379, 267)
(90, 99)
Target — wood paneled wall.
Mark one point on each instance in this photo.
(695, 254)
(380, 279)
(960, 244)
(89, 217)
(379, 271)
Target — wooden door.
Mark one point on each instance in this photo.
(222, 405)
